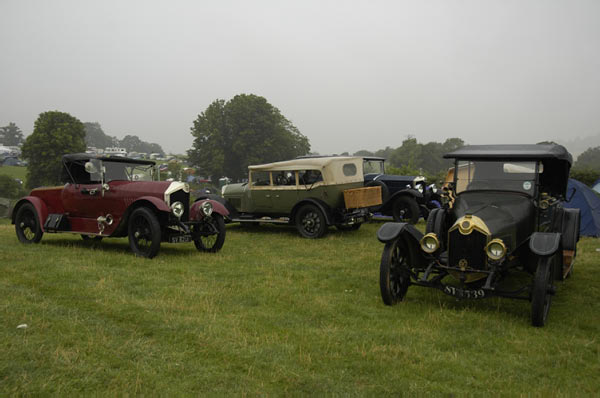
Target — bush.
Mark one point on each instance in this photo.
(586, 175)
(10, 188)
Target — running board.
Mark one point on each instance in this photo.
(283, 220)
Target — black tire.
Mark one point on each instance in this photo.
(27, 225)
(213, 243)
(91, 237)
(353, 227)
(144, 233)
(429, 227)
(310, 222)
(394, 275)
(385, 192)
(405, 209)
(542, 291)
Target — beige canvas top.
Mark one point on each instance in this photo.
(331, 167)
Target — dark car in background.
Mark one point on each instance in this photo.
(504, 233)
(117, 197)
(405, 198)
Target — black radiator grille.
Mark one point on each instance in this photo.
(467, 247)
(183, 197)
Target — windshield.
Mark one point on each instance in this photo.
(496, 175)
(372, 166)
(123, 171)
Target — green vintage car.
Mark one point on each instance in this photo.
(310, 193)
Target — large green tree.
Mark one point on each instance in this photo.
(590, 159)
(11, 135)
(54, 134)
(230, 136)
(95, 136)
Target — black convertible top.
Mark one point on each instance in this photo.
(531, 152)
(74, 157)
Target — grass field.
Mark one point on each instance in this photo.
(273, 313)
(15, 172)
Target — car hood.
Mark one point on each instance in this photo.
(508, 216)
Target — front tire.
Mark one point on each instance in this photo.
(27, 225)
(542, 292)
(394, 274)
(213, 243)
(405, 209)
(310, 222)
(144, 233)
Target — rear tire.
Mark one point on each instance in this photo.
(144, 233)
(310, 222)
(405, 209)
(27, 225)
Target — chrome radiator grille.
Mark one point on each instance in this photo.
(467, 251)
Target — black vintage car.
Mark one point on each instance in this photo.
(503, 217)
(405, 198)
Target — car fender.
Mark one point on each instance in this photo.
(405, 192)
(38, 204)
(325, 209)
(159, 204)
(411, 237)
(196, 209)
(570, 228)
(231, 211)
(392, 230)
(544, 243)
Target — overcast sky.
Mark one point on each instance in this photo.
(349, 74)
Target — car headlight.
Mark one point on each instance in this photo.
(430, 243)
(495, 250)
(207, 208)
(420, 188)
(177, 208)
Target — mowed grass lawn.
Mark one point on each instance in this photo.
(273, 313)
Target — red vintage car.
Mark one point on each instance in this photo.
(117, 197)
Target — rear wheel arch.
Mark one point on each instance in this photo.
(39, 206)
(325, 209)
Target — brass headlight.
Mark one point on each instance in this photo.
(495, 250)
(177, 208)
(207, 208)
(430, 243)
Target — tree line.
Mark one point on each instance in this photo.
(228, 137)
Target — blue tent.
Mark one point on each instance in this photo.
(589, 203)
(596, 186)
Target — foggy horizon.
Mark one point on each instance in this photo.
(348, 75)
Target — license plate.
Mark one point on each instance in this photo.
(464, 293)
(180, 239)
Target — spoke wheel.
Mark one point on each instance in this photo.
(310, 222)
(144, 233)
(27, 226)
(394, 276)
(405, 209)
(214, 242)
(543, 289)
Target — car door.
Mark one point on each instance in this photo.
(261, 192)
